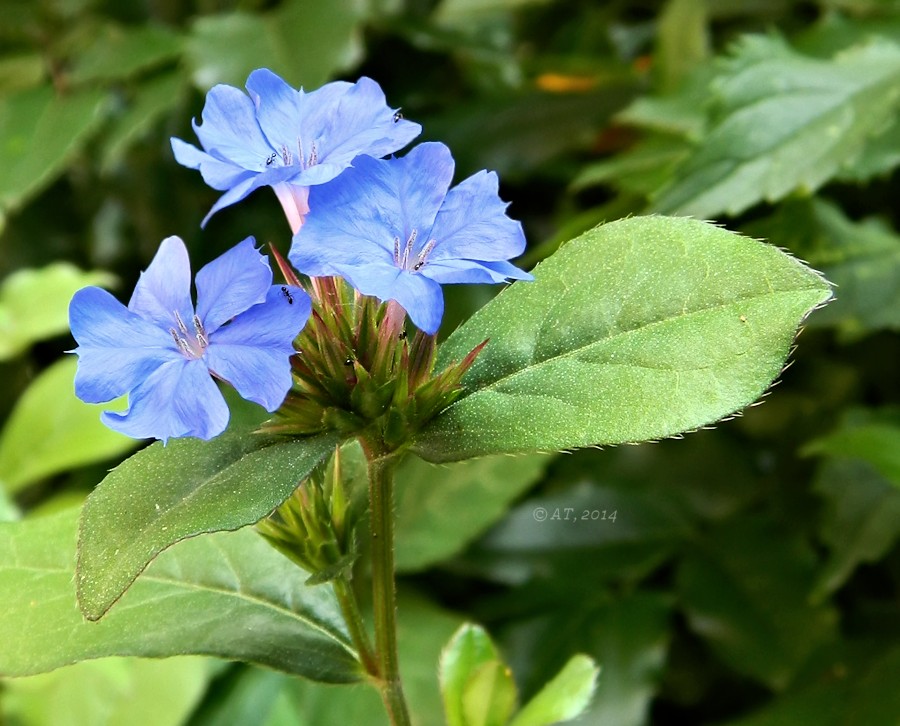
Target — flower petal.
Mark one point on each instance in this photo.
(232, 283)
(165, 286)
(117, 349)
(250, 184)
(279, 108)
(177, 399)
(380, 201)
(359, 122)
(252, 352)
(217, 173)
(471, 271)
(329, 250)
(295, 203)
(230, 129)
(422, 299)
(472, 223)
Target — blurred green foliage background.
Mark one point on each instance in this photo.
(751, 573)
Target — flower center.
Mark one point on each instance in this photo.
(406, 260)
(191, 346)
(287, 156)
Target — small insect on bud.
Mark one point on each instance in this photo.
(398, 116)
(287, 295)
(348, 362)
(402, 335)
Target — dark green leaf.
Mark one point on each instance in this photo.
(784, 122)
(746, 591)
(861, 520)
(860, 484)
(514, 135)
(627, 636)
(118, 52)
(226, 48)
(862, 259)
(441, 509)
(639, 329)
(616, 532)
(39, 133)
(856, 690)
(164, 494)
(50, 430)
(228, 595)
(245, 695)
(151, 100)
(871, 436)
(640, 169)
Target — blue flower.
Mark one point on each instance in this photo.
(393, 230)
(161, 350)
(287, 139)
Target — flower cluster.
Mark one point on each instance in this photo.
(389, 229)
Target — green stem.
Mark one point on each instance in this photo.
(350, 609)
(381, 496)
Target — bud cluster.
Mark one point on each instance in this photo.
(358, 371)
(315, 526)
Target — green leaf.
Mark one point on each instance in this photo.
(40, 131)
(164, 494)
(516, 134)
(784, 123)
(476, 684)
(630, 638)
(34, 303)
(879, 158)
(640, 169)
(862, 260)
(228, 595)
(628, 635)
(18, 72)
(440, 509)
(489, 698)
(226, 48)
(860, 522)
(859, 689)
(859, 482)
(746, 591)
(109, 691)
(151, 100)
(639, 329)
(871, 436)
(564, 698)
(118, 52)
(244, 695)
(50, 431)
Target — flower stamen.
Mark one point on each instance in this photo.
(423, 255)
(181, 326)
(404, 263)
(182, 344)
(202, 340)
